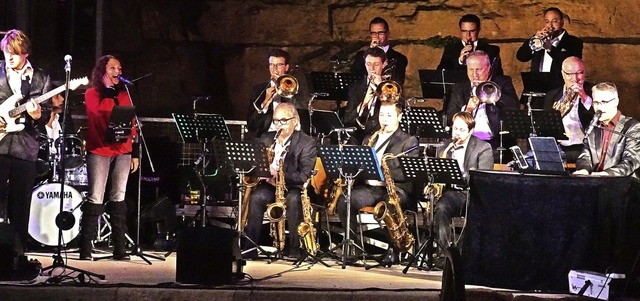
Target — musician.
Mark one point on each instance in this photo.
(470, 153)
(379, 34)
(266, 100)
(107, 161)
(606, 153)
(554, 45)
(578, 115)
(19, 149)
(389, 139)
(363, 105)
(298, 163)
(486, 114)
(454, 56)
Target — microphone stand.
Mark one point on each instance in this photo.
(65, 219)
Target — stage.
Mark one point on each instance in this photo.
(280, 280)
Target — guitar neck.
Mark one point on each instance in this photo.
(40, 99)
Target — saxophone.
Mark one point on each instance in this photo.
(306, 230)
(567, 102)
(393, 216)
(277, 211)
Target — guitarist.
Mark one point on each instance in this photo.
(19, 150)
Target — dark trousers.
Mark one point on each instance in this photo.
(451, 204)
(16, 184)
(262, 196)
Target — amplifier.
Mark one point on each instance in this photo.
(592, 284)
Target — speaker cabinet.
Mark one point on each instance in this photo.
(206, 256)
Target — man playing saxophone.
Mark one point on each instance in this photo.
(389, 139)
(297, 165)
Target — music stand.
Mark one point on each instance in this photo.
(517, 123)
(241, 159)
(536, 85)
(119, 128)
(336, 84)
(546, 155)
(548, 123)
(350, 162)
(325, 122)
(436, 83)
(440, 170)
(423, 123)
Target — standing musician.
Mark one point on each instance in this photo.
(107, 161)
(266, 99)
(299, 162)
(486, 114)
(550, 46)
(573, 100)
(470, 153)
(607, 153)
(454, 56)
(389, 139)
(19, 149)
(363, 105)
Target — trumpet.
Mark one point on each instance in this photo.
(565, 105)
(537, 41)
(286, 87)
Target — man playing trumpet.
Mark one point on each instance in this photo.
(550, 46)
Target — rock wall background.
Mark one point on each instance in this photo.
(218, 48)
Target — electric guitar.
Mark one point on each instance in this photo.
(9, 113)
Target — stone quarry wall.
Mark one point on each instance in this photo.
(218, 48)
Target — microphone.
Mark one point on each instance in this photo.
(593, 123)
(67, 58)
(124, 80)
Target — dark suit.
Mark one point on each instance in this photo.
(298, 164)
(461, 92)
(363, 195)
(394, 58)
(478, 155)
(623, 154)
(568, 46)
(585, 114)
(451, 53)
(257, 122)
(357, 92)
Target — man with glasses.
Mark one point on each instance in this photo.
(266, 99)
(612, 148)
(299, 160)
(470, 153)
(454, 56)
(379, 34)
(573, 100)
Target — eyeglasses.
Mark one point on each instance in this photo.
(283, 121)
(276, 66)
(603, 102)
(377, 33)
(581, 72)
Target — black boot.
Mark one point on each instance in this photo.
(88, 228)
(118, 212)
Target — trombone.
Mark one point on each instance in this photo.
(286, 87)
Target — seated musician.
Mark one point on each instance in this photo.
(471, 153)
(389, 139)
(266, 99)
(606, 153)
(363, 104)
(486, 115)
(299, 162)
(573, 100)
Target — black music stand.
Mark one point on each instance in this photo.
(546, 155)
(436, 83)
(548, 123)
(350, 162)
(241, 159)
(536, 85)
(423, 123)
(439, 170)
(517, 123)
(119, 128)
(326, 122)
(335, 84)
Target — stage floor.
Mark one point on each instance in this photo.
(280, 280)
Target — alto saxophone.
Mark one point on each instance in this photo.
(392, 214)
(277, 211)
(306, 230)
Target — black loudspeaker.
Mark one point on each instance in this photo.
(206, 256)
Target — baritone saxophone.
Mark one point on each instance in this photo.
(277, 211)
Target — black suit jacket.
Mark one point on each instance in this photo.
(300, 159)
(584, 114)
(568, 46)
(623, 154)
(357, 92)
(398, 143)
(397, 59)
(461, 92)
(24, 144)
(478, 155)
(257, 122)
(451, 53)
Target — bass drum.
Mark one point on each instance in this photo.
(45, 206)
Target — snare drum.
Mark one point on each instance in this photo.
(73, 151)
(45, 206)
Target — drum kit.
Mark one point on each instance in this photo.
(45, 198)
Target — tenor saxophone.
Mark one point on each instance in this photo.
(277, 211)
(306, 230)
(392, 214)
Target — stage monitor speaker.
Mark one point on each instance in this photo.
(207, 256)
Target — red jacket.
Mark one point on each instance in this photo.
(98, 115)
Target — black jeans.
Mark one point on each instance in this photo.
(451, 204)
(16, 185)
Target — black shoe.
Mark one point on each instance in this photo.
(85, 257)
(121, 257)
(439, 263)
